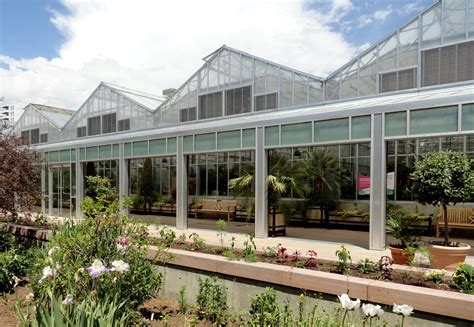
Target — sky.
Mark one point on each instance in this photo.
(56, 52)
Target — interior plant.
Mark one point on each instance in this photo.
(441, 179)
(146, 185)
(399, 225)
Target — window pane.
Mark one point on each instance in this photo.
(396, 124)
(91, 153)
(116, 151)
(158, 146)
(272, 135)
(454, 20)
(53, 156)
(331, 130)
(65, 155)
(109, 123)
(468, 117)
(187, 144)
(248, 138)
(93, 125)
(104, 151)
(171, 145)
(205, 142)
(434, 120)
(228, 140)
(140, 148)
(360, 127)
(296, 133)
(127, 149)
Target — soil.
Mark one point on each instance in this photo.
(8, 314)
(413, 276)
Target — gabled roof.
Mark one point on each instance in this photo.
(147, 100)
(57, 116)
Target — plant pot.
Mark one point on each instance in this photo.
(399, 255)
(276, 224)
(448, 257)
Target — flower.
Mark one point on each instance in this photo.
(15, 281)
(48, 273)
(97, 268)
(120, 266)
(372, 310)
(123, 240)
(121, 248)
(53, 250)
(403, 309)
(68, 300)
(347, 303)
(30, 297)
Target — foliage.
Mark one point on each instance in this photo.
(264, 309)
(13, 265)
(435, 275)
(344, 257)
(7, 240)
(221, 226)
(82, 258)
(183, 306)
(249, 249)
(198, 242)
(20, 169)
(443, 178)
(365, 266)
(463, 278)
(399, 225)
(168, 236)
(211, 301)
(311, 261)
(271, 251)
(90, 312)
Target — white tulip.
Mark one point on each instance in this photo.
(347, 303)
(372, 310)
(403, 309)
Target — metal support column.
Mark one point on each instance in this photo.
(377, 234)
(181, 186)
(79, 184)
(43, 187)
(261, 206)
(123, 177)
(50, 191)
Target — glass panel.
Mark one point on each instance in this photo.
(82, 154)
(171, 145)
(300, 90)
(396, 124)
(158, 147)
(368, 72)
(91, 153)
(315, 91)
(228, 140)
(73, 154)
(65, 155)
(296, 133)
(188, 143)
(248, 138)
(360, 127)
(454, 20)
(455, 143)
(140, 148)
(116, 151)
(409, 45)
(205, 142)
(259, 77)
(468, 117)
(331, 130)
(434, 120)
(272, 135)
(54, 156)
(388, 54)
(431, 26)
(333, 87)
(471, 17)
(104, 151)
(127, 149)
(286, 89)
(349, 81)
(426, 146)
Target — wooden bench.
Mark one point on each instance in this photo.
(219, 206)
(457, 218)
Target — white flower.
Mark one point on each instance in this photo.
(53, 250)
(15, 281)
(403, 309)
(372, 310)
(97, 268)
(120, 266)
(68, 300)
(122, 248)
(48, 273)
(30, 297)
(347, 303)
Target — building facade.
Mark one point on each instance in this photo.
(410, 94)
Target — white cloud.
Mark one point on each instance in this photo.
(151, 45)
(379, 15)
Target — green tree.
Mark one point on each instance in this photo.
(443, 178)
(146, 184)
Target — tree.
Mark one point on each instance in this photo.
(146, 184)
(20, 173)
(443, 178)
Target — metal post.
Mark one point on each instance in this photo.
(377, 233)
(261, 207)
(50, 191)
(123, 177)
(79, 184)
(43, 187)
(181, 186)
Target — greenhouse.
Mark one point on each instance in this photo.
(239, 117)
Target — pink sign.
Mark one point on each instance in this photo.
(363, 184)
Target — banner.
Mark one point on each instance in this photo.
(363, 184)
(390, 183)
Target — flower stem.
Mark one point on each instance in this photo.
(344, 318)
(403, 318)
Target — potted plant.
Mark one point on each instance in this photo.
(399, 226)
(281, 177)
(441, 179)
(322, 183)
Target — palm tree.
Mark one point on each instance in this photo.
(323, 178)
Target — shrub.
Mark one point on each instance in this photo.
(168, 236)
(365, 266)
(249, 249)
(264, 309)
(436, 275)
(463, 278)
(344, 257)
(212, 301)
(104, 257)
(13, 265)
